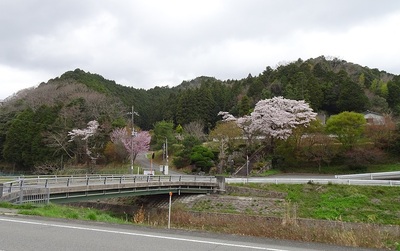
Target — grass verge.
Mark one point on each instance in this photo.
(360, 204)
(67, 212)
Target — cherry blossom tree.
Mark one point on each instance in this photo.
(85, 134)
(275, 118)
(134, 145)
(278, 117)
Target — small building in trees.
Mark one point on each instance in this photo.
(374, 118)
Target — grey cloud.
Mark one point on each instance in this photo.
(155, 40)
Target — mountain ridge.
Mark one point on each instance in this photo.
(328, 84)
(330, 63)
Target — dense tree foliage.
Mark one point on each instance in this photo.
(163, 131)
(182, 157)
(226, 134)
(347, 126)
(24, 144)
(34, 123)
(202, 158)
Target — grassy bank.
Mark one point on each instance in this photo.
(366, 204)
(60, 211)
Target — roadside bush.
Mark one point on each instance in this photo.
(180, 162)
(202, 157)
(359, 158)
(45, 169)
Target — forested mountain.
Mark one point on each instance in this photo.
(40, 118)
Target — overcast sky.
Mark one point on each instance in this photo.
(151, 43)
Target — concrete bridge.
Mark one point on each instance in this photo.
(59, 189)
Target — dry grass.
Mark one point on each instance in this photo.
(139, 216)
(288, 227)
(362, 235)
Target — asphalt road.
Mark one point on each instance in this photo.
(33, 233)
(145, 164)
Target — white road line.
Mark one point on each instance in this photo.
(142, 235)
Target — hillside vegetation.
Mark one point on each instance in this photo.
(34, 123)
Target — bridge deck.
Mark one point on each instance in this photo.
(73, 188)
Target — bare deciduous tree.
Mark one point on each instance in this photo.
(196, 129)
(319, 148)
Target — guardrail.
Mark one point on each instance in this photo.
(371, 176)
(316, 181)
(60, 181)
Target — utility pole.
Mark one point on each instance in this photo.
(247, 165)
(132, 136)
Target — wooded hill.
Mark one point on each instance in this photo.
(45, 114)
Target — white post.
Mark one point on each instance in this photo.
(169, 210)
(166, 156)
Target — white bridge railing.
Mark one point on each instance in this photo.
(313, 181)
(54, 181)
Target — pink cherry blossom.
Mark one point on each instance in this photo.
(138, 143)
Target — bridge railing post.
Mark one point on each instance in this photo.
(21, 191)
(47, 196)
(21, 195)
(221, 183)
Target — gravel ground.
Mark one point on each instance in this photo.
(8, 211)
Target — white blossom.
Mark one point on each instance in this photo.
(84, 133)
(226, 116)
(276, 117)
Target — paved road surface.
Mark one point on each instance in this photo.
(32, 233)
(145, 163)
